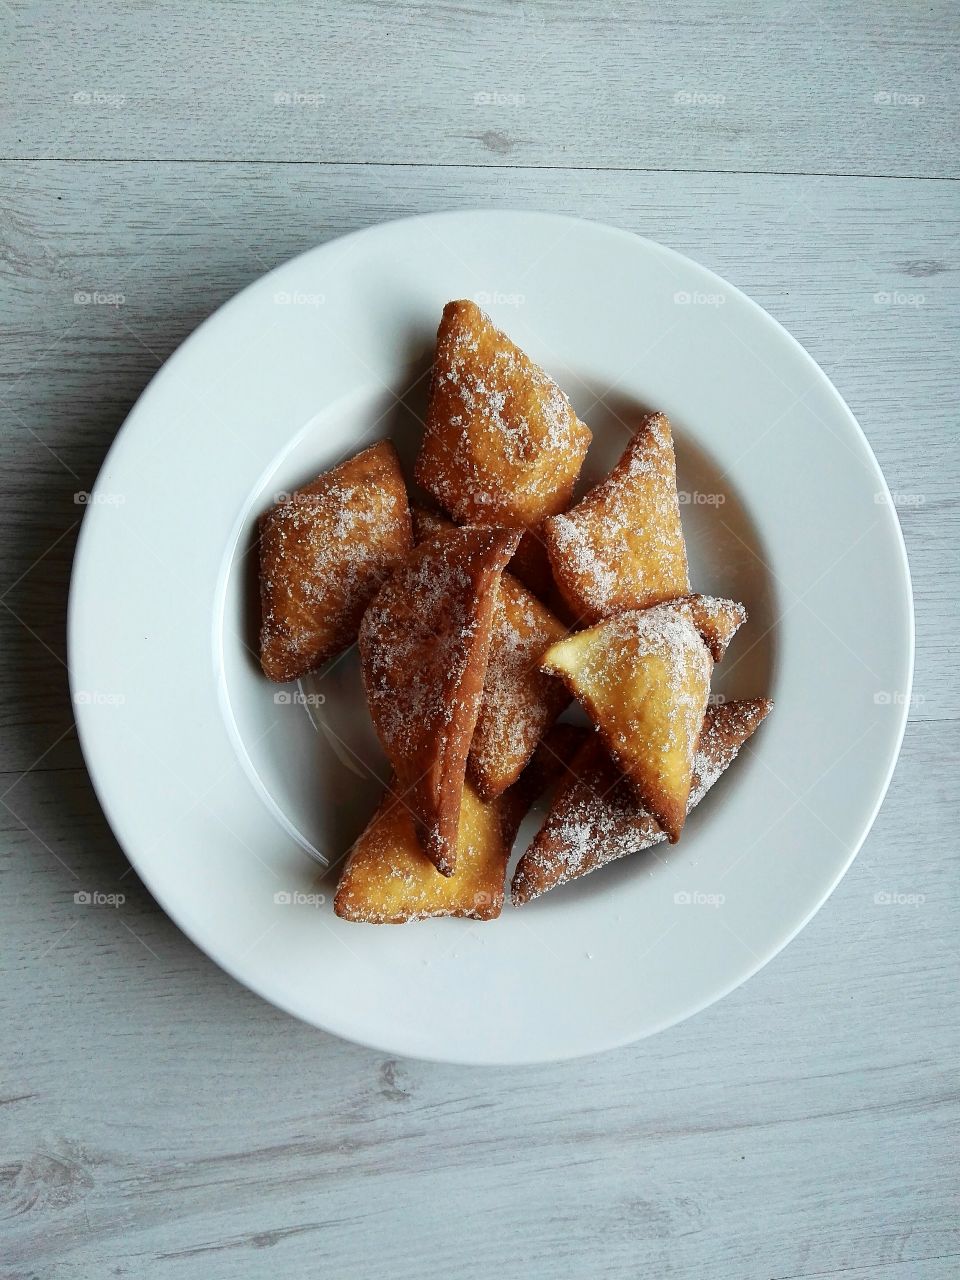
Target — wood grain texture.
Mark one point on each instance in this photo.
(158, 1120)
(813, 87)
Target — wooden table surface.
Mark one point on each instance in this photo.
(158, 1120)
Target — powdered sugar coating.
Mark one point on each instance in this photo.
(519, 701)
(621, 547)
(596, 819)
(325, 551)
(387, 878)
(424, 642)
(618, 646)
(412, 661)
(643, 678)
(502, 443)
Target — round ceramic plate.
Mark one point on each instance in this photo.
(235, 799)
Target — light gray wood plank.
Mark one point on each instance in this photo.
(158, 1120)
(813, 87)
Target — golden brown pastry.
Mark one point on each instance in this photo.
(388, 879)
(595, 817)
(502, 445)
(324, 553)
(717, 619)
(519, 700)
(424, 643)
(621, 547)
(644, 679)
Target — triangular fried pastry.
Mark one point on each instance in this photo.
(530, 565)
(595, 817)
(644, 679)
(424, 643)
(502, 444)
(519, 700)
(621, 547)
(388, 879)
(717, 619)
(324, 553)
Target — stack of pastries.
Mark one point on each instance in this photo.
(480, 613)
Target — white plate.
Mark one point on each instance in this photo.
(219, 793)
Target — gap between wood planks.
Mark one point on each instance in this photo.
(461, 164)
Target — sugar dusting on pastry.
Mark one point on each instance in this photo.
(643, 678)
(424, 642)
(519, 701)
(664, 632)
(621, 547)
(325, 551)
(502, 442)
(427, 647)
(596, 818)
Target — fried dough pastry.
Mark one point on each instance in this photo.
(324, 553)
(717, 619)
(621, 547)
(388, 879)
(502, 445)
(644, 679)
(530, 564)
(595, 817)
(424, 643)
(519, 701)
